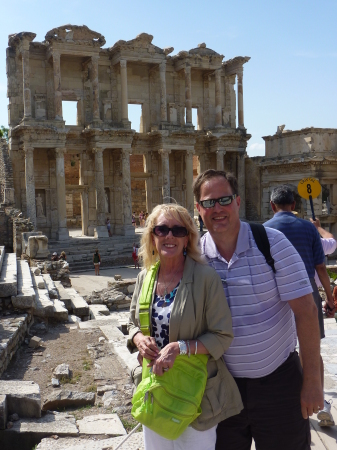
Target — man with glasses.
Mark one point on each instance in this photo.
(268, 310)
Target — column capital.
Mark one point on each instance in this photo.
(239, 73)
(55, 54)
(190, 153)
(95, 59)
(29, 151)
(98, 150)
(59, 152)
(164, 151)
(187, 68)
(126, 152)
(123, 62)
(162, 66)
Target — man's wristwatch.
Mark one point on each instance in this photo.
(182, 347)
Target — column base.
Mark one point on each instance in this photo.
(91, 230)
(128, 230)
(189, 126)
(126, 124)
(101, 232)
(62, 234)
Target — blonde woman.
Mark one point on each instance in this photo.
(189, 314)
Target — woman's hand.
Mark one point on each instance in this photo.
(165, 359)
(146, 345)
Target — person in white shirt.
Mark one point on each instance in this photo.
(329, 245)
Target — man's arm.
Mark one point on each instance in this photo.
(325, 234)
(325, 280)
(305, 313)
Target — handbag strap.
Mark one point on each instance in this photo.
(146, 298)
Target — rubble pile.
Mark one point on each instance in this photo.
(116, 297)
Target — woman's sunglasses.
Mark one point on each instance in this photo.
(163, 230)
(223, 201)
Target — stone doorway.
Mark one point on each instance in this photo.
(73, 195)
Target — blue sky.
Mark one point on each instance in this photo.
(290, 79)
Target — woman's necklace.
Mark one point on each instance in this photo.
(167, 285)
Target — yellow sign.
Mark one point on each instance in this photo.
(309, 186)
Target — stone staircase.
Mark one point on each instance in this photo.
(116, 250)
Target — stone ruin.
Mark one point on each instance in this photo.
(80, 174)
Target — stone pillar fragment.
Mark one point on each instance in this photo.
(57, 86)
(26, 85)
(148, 182)
(188, 95)
(95, 87)
(84, 212)
(165, 164)
(242, 183)
(62, 232)
(100, 229)
(240, 99)
(220, 159)
(126, 192)
(163, 105)
(30, 184)
(218, 108)
(189, 182)
(124, 89)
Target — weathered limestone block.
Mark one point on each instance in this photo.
(25, 297)
(23, 397)
(109, 424)
(60, 424)
(62, 371)
(25, 236)
(60, 311)
(65, 399)
(37, 247)
(52, 291)
(35, 342)
(3, 412)
(97, 311)
(8, 278)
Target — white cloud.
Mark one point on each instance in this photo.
(256, 149)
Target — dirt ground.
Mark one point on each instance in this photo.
(92, 363)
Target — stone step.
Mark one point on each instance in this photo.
(97, 311)
(79, 306)
(44, 306)
(52, 291)
(23, 397)
(12, 333)
(60, 311)
(64, 295)
(25, 297)
(8, 277)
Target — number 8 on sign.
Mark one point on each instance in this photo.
(309, 187)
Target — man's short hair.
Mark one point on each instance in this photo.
(211, 173)
(282, 195)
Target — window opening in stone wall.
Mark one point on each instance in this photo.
(135, 117)
(69, 112)
(195, 118)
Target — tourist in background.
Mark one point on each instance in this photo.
(108, 225)
(189, 308)
(133, 219)
(135, 258)
(96, 261)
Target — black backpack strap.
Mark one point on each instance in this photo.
(262, 242)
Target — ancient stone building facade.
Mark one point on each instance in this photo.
(291, 156)
(80, 175)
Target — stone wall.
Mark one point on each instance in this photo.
(253, 189)
(6, 231)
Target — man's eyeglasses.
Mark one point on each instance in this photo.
(163, 230)
(223, 201)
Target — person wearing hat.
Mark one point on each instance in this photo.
(55, 257)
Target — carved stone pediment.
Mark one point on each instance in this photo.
(142, 42)
(74, 34)
(199, 57)
(235, 64)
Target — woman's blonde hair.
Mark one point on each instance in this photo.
(180, 214)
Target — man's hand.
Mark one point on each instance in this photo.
(316, 223)
(312, 399)
(329, 309)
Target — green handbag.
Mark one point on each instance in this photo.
(167, 404)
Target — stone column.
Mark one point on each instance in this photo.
(189, 182)
(165, 165)
(148, 181)
(240, 99)
(124, 89)
(30, 184)
(57, 86)
(62, 232)
(95, 87)
(163, 105)
(188, 95)
(126, 193)
(242, 183)
(84, 212)
(100, 229)
(26, 84)
(220, 159)
(218, 108)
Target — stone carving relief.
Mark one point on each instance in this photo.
(74, 34)
(40, 210)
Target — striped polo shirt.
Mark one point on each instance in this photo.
(263, 322)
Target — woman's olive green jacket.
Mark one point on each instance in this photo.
(200, 311)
